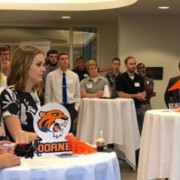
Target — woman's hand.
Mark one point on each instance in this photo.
(6, 146)
(1, 131)
(9, 160)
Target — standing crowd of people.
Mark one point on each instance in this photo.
(33, 79)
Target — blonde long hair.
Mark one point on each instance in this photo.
(20, 63)
(1, 74)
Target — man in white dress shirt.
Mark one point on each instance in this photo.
(53, 88)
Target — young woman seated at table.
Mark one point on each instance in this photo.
(7, 159)
(20, 102)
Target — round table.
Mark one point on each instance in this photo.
(116, 118)
(160, 145)
(96, 166)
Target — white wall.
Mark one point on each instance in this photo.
(107, 37)
(155, 41)
(108, 43)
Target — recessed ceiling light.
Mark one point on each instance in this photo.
(65, 17)
(163, 7)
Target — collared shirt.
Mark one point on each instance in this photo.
(53, 88)
(172, 96)
(149, 86)
(90, 86)
(81, 73)
(49, 68)
(131, 86)
(112, 78)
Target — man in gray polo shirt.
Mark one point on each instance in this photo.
(93, 85)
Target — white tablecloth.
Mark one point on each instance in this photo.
(97, 166)
(116, 118)
(160, 146)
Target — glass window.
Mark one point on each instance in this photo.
(75, 41)
(85, 42)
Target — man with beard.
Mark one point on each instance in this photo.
(80, 68)
(131, 85)
(52, 64)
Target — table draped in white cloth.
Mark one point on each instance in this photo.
(116, 118)
(160, 146)
(97, 166)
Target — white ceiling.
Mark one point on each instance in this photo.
(68, 5)
(142, 7)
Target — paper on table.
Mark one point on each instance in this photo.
(45, 162)
(106, 91)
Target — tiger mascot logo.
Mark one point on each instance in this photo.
(53, 121)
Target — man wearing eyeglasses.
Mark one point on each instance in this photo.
(4, 53)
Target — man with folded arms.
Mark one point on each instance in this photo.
(113, 74)
(148, 84)
(93, 85)
(131, 85)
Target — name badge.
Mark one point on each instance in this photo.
(89, 86)
(147, 82)
(136, 84)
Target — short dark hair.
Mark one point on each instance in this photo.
(4, 48)
(129, 57)
(115, 59)
(79, 58)
(139, 64)
(51, 51)
(62, 53)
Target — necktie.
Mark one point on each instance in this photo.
(64, 89)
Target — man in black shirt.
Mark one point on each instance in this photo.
(148, 84)
(113, 74)
(172, 96)
(80, 69)
(131, 85)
